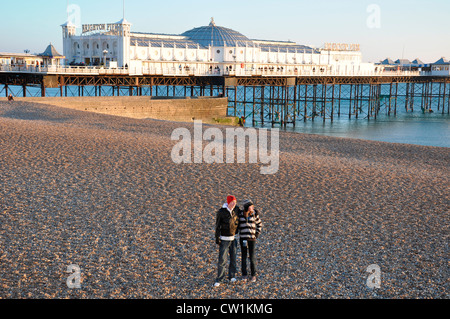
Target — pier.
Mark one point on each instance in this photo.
(267, 82)
(261, 100)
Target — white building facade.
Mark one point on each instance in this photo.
(207, 50)
(441, 67)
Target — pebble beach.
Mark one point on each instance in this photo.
(103, 193)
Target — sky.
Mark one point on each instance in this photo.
(393, 29)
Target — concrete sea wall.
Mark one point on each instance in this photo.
(185, 109)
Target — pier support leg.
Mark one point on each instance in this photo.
(339, 100)
(314, 101)
(253, 106)
(262, 105)
(378, 100)
(448, 100)
(294, 119)
(332, 102)
(439, 97)
(350, 102)
(324, 102)
(390, 99)
(443, 100)
(235, 101)
(396, 97)
(245, 101)
(407, 96)
(305, 115)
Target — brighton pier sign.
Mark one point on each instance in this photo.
(341, 47)
(95, 28)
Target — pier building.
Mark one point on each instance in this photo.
(28, 62)
(205, 50)
(23, 59)
(441, 67)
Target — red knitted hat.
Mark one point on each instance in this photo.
(230, 199)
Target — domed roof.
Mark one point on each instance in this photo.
(217, 36)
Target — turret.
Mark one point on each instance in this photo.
(124, 58)
(69, 29)
(125, 27)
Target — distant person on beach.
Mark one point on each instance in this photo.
(10, 97)
(227, 222)
(250, 226)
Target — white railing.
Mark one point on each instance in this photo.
(55, 69)
(198, 70)
(318, 73)
(400, 73)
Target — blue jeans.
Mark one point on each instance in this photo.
(227, 247)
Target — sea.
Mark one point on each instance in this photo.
(407, 127)
(411, 126)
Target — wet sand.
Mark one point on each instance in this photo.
(102, 192)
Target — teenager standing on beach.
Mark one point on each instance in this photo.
(250, 226)
(226, 227)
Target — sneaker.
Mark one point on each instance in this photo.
(216, 284)
(233, 280)
(252, 279)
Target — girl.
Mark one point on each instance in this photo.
(249, 230)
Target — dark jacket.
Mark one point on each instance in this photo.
(227, 223)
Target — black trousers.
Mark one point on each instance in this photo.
(250, 251)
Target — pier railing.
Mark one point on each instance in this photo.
(318, 73)
(55, 69)
(198, 70)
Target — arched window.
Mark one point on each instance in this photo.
(76, 47)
